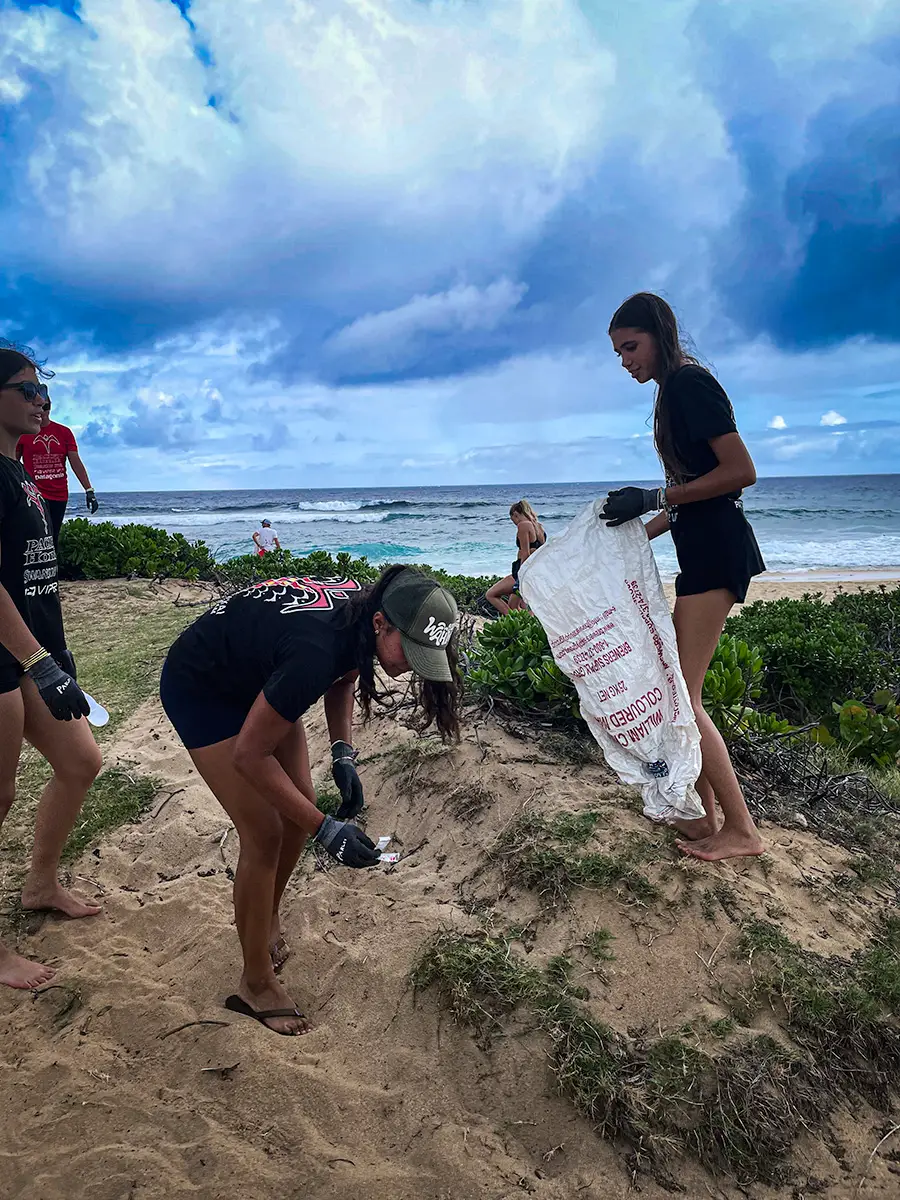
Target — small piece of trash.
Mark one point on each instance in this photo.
(390, 858)
(97, 714)
(382, 843)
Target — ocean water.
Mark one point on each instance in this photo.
(839, 523)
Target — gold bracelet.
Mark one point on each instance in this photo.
(35, 658)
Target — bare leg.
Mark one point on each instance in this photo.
(260, 829)
(293, 754)
(703, 827)
(71, 751)
(500, 594)
(15, 971)
(699, 621)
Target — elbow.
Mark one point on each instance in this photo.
(749, 476)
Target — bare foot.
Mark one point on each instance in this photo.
(280, 952)
(18, 972)
(726, 843)
(273, 995)
(695, 831)
(55, 898)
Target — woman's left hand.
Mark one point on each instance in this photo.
(344, 774)
(625, 504)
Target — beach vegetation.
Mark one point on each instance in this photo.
(116, 797)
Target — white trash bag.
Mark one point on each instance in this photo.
(598, 595)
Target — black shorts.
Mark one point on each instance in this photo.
(10, 676)
(716, 548)
(201, 718)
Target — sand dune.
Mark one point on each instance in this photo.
(107, 1099)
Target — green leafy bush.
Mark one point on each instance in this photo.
(102, 550)
(732, 684)
(815, 654)
(106, 551)
(871, 732)
(878, 613)
(512, 660)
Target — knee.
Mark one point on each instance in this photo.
(261, 839)
(81, 769)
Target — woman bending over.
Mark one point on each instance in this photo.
(236, 684)
(530, 536)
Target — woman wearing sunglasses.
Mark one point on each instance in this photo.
(39, 698)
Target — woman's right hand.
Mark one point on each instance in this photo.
(59, 691)
(347, 843)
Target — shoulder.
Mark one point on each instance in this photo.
(692, 382)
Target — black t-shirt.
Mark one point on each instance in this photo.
(28, 567)
(287, 638)
(698, 409)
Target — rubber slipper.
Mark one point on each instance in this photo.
(238, 1005)
(279, 952)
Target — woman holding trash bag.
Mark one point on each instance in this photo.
(236, 684)
(706, 466)
(530, 536)
(39, 698)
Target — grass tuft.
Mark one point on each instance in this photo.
(114, 799)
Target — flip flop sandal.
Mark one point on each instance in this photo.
(280, 953)
(236, 1004)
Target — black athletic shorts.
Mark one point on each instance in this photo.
(10, 676)
(716, 548)
(200, 717)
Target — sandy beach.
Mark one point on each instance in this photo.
(127, 1080)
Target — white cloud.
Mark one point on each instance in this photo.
(778, 423)
(832, 418)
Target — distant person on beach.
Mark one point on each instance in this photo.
(46, 455)
(530, 535)
(236, 685)
(265, 538)
(39, 698)
(706, 465)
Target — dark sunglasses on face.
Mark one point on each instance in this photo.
(30, 391)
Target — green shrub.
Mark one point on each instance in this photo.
(815, 654)
(870, 732)
(878, 612)
(92, 550)
(106, 551)
(512, 660)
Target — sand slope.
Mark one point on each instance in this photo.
(386, 1098)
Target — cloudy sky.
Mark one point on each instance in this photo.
(368, 242)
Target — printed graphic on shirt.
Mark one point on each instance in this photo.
(305, 594)
(33, 496)
(39, 561)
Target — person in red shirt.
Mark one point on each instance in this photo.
(45, 456)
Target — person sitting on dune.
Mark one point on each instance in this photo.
(530, 536)
(236, 684)
(38, 694)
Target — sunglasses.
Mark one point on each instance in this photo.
(30, 391)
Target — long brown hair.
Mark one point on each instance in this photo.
(436, 703)
(651, 314)
(522, 508)
(14, 359)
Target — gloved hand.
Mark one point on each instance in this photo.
(347, 843)
(59, 691)
(625, 504)
(66, 660)
(343, 772)
(91, 501)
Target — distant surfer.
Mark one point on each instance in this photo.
(236, 685)
(265, 538)
(530, 536)
(39, 698)
(46, 456)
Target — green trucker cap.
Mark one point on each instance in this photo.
(426, 615)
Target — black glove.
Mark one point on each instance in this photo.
(91, 501)
(59, 691)
(625, 504)
(66, 660)
(347, 843)
(343, 772)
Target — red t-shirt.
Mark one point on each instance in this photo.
(45, 455)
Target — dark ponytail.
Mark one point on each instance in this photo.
(651, 314)
(437, 703)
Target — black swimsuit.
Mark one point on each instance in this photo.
(518, 562)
